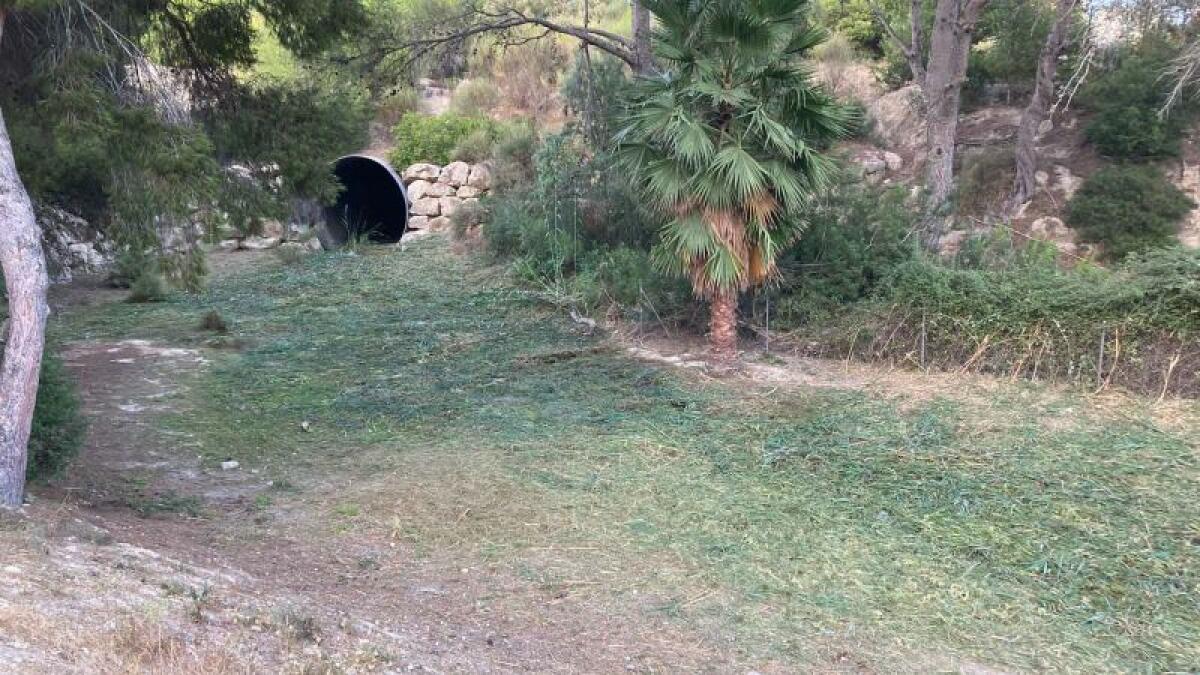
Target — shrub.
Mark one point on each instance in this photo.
(1127, 209)
(421, 138)
(475, 146)
(58, 428)
(213, 322)
(475, 98)
(1127, 100)
(148, 287)
(626, 277)
(512, 156)
(854, 239)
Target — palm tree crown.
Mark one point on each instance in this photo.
(726, 141)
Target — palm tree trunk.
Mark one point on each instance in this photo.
(26, 282)
(722, 322)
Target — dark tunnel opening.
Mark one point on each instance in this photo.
(372, 203)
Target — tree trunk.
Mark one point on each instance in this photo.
(1025, 182)
(26, 282)
(949, 47)
(642, 53)
(722, 333)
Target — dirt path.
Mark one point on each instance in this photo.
(171, 565)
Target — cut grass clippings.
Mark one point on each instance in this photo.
(470, 419)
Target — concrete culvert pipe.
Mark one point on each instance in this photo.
(372, 204)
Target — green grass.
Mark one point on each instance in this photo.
(1017, 527)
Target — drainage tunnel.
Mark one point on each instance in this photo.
(372, 204)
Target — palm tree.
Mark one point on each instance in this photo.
(725, 143)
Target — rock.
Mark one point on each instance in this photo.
(455, 174)
(260, 243)
(897, 117)
(1067, 182)
(418, 222)
(468, 192)
(429, 172)
(1042, 178)
(229, 465)
(418, 189)
(298, 231)
(427, 206)
(480, 177)
(71, 244)
(449, 205)
(1049, 227)
(440, 224)
(894, 162)
(272, 229)
(229, 244)
(314, 244)
(872, 164)
(440, 190)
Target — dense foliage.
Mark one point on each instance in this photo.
(1128, 209)
(422, 138)
(1127, 99)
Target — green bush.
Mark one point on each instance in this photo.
(474, 147)
(985, 180)
(422, 138)
(58, 428)
(1132, 132)
(854, 239)
(512, 157)
(1127, 99)
(149, 286)
(1128, 209)
(627, 277)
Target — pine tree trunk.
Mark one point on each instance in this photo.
(1025, 182)
(26, 283)
(949, 48)
(641, 38)
(722, 334)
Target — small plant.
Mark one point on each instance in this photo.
(58, 427)
(1128, 209)
(149, 286)
(213, 322)
(512, 156)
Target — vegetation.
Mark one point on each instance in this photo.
(1045, 524)
(1127, 100)
(58, 429)
(420, 138)
(1128, 209)
(727, 147)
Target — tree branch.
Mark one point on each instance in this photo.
(911, 50)
(480, 21)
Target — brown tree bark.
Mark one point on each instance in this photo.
(26, 283)
(1025, 182)
(949, 48)
(642, 54)
(722, 326)
(941, 78)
